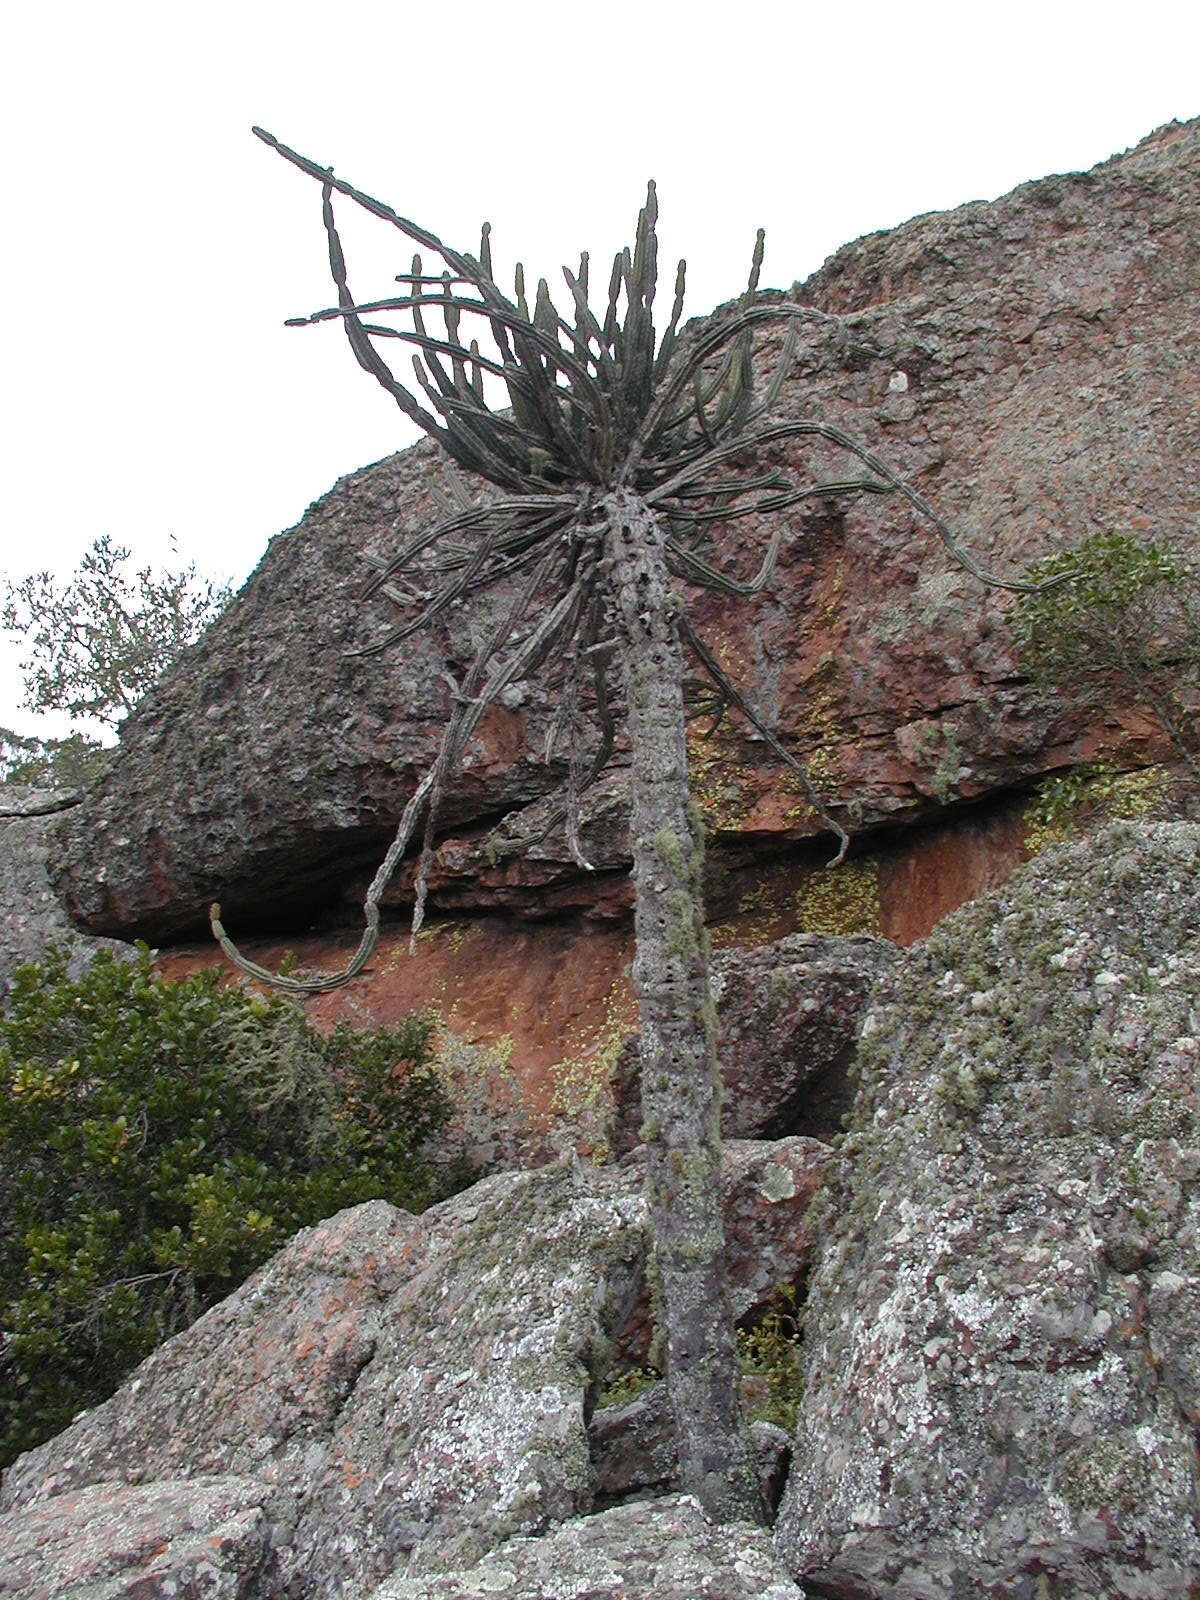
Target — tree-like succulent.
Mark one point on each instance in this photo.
(598, 405)
(615, 454)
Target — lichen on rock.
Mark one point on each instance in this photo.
(1003, 1340)
(666, 1548)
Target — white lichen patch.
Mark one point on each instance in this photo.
(468, 1426)
(1002, 1355)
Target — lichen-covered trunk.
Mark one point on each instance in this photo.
(681, 1086)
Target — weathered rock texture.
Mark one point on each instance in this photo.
(257, 1384)
(665, 1548)
(389, 1393)
(31, 915)
(1031, 364)
(787, 1024)
(1003, 1336)
(634, 1455)
(204, 1539)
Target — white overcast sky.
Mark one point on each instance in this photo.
(153, 248)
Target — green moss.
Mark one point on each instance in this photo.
(669, 851)
(582, 1094)
(841, 900)
(1088, 797)
(1104, 1474)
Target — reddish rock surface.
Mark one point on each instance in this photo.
(1031, 364)
(204, 1539)
(544, 1008)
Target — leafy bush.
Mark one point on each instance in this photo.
(70, 763)
(1124, 625)
(769, 1352)
(158, 1140)
(1093, 794)
(97, 642)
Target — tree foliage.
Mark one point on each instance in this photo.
(1118, 617)
(97, 641)
(70, 763)
(158, 1141)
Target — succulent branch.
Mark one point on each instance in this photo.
(592, 405)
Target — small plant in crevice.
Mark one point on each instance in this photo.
(1092, 794)
(158, 1141)
(768, 1359)
(628, 1385)
(1116, 619)
(770, 1352)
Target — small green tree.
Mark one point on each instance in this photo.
(1117, 618)
(97, 641)
(158, 1141)
(70, 763)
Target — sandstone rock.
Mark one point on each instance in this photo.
(787, 1023)
(665, 1548)
(1003, 1337)
(205, 1539)
(31, 916)
(468, 1425)
(769, 1186)
(1030, 363)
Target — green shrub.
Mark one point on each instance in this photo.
(770, 1353)
(158, 1141)
(1121, 621)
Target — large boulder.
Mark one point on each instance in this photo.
(1002, 1357)
(257, 1384)
(388, 1393)
(1029, 363)
(788, 1014)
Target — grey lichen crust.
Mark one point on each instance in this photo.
(468, 1425)
(666, 1548)
(1003, 1342)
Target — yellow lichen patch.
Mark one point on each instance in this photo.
(746, 934)
(721, 781)
(822, 773)
(840, 900)
(453, 934)
(827, 604)
(1087, 797)
(582, 1100)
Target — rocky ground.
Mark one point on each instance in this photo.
(997, 1259)
(1000, 1281)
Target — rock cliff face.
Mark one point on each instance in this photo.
(1031, 365)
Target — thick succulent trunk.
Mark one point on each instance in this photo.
(681, 1086)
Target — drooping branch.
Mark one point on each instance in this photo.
(595, 403)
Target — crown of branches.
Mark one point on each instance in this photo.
(596, 405)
